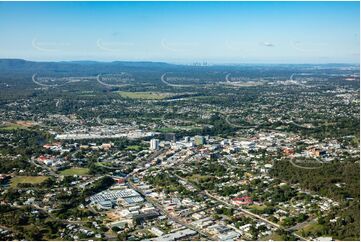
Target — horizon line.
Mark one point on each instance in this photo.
(188, 62)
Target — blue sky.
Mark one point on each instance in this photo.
(182, 32)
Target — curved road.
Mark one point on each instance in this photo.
(162, 78)
(238, 126)
(46, 85)
(109, 85)
(306, 167)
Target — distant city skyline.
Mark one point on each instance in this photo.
(182, 32)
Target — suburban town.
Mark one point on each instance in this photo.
(180, 121)
(174, 171)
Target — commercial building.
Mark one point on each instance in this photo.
(170, 137)
(126, 196)
(176, 235)
(154, 144)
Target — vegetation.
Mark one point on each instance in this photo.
(323, 182)
(11, 127)
(320, 109)
(15, 181)
(75, 171)
(145, 95)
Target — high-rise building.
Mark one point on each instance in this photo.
(154, 144)
(170, 137)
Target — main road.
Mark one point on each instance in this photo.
(157, 204)
(253, 215)
(166, 213)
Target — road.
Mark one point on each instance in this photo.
(253, 215)
(45, 167)
(232, 206)
(162, 78)
(199, 210)
(178, 220)
(305, 167)
(83, 185)
(149, 159)
(166, 213)
(302, 126)
(158, 205)
(291, 77)
(98, 78)
(46, 85)
(243, 211)
(300, 225)
(238, 126)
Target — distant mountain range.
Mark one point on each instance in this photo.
(20, 66)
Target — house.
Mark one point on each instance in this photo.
(46, 160)
(246, 200)
(106, 146)
(288, 151)
(324, 239)
(156, 231)
(119, 180)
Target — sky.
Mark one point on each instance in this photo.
(182, 32)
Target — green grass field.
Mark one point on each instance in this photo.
(177, 128)
(10, 127)
(134, 147)
(27, 179)
(273, 236)
(198, 178)
(258, 207)
(312, 228)
(75, 171)
(104, 163)
(145, 95)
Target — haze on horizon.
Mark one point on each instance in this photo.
(182, 32)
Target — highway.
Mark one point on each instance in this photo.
(239, 126)
(305, 167)
(98, 78)
(162, 78)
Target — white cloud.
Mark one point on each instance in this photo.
(267, 44)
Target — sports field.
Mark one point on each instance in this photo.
(27, 179)
(75, 171)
